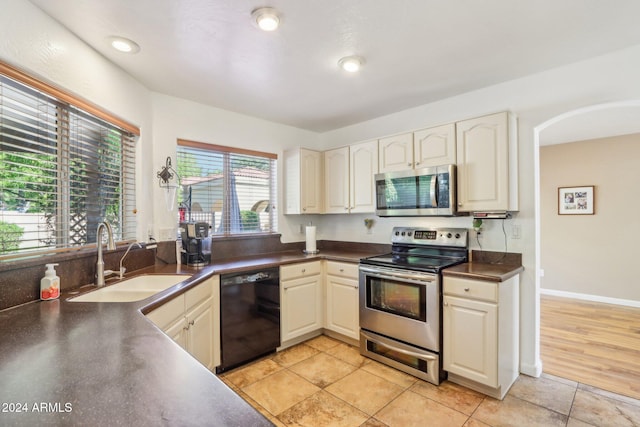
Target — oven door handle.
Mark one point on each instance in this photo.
(397, 275)
(401, 350)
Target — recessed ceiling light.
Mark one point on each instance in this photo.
(266, 18)
(125, 45)
(351, 64)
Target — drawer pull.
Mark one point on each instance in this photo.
(466, 289)
(304, 270)
(342, 270)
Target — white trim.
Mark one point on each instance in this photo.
(532, 370)
(588, 297)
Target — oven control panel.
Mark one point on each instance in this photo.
(457, 237)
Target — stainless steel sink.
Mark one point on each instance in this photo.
(134, 289)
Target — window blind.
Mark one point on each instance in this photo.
(232, 190)
(62, 172)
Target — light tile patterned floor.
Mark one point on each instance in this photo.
(324, 382)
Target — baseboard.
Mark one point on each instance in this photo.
(588, 297)
(531, 370)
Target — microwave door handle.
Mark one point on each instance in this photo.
(432, 191)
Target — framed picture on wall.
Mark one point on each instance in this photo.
(575, 200)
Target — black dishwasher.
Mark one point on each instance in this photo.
(249, 316)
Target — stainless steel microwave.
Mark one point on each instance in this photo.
(417, 192)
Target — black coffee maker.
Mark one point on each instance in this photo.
(194, 236)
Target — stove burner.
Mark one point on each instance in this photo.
(428, 250)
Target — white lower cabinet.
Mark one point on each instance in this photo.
(342, 314)
(300, 299)
(480, 333)
(192, 320)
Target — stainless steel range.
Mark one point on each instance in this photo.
(401, 299)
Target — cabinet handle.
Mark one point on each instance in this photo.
(417, 163)
(192, 322)
(466, 289)
(409, 164)
(346, 208)
(460, 204)
(304, 270)
(342, 270)
(446, 304)
(304, 209)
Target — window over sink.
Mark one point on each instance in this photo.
(65, 167)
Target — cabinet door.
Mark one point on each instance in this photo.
(311, 181)
(301, 307)
(396, 153)
(302, 181)
(177, 331)
(336, 180)
(470, 339)
(363, 166)
(342, 306)
(483, 163)
(200, 333)
(435, 146)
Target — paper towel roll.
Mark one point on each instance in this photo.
(311, 239)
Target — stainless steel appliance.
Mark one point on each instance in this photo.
(417, 192)
(401, 299)
(249, 316)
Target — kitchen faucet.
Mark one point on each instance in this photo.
(122, 269)
(110, 246)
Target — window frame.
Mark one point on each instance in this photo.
(273, 182)
(74, 106)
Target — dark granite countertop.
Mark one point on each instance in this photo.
(67, 363)
(488, 266)
(483, 271)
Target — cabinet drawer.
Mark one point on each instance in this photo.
(168, 313)
(342, 269)
(304, 269)
(467, 288)
(197, 295)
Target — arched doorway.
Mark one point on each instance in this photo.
(600, 121)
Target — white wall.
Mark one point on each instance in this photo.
(576, 249)
(34, 43)
(175, 118)
(534, 99)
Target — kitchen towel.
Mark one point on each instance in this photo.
(311, 239)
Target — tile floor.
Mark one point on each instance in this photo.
(324, 382)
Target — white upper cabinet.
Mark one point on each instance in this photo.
(435, 146)
(396, 153)
(363, 165)
(303, 181)
(423, 148)
(487, 160)
(349, 178)
(336, 180)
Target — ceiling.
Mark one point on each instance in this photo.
(417, 51)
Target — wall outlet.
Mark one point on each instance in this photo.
(302, 229)
(516, 231)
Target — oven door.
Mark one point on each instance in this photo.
(401, 304)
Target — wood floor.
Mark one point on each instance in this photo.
(592, 343)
